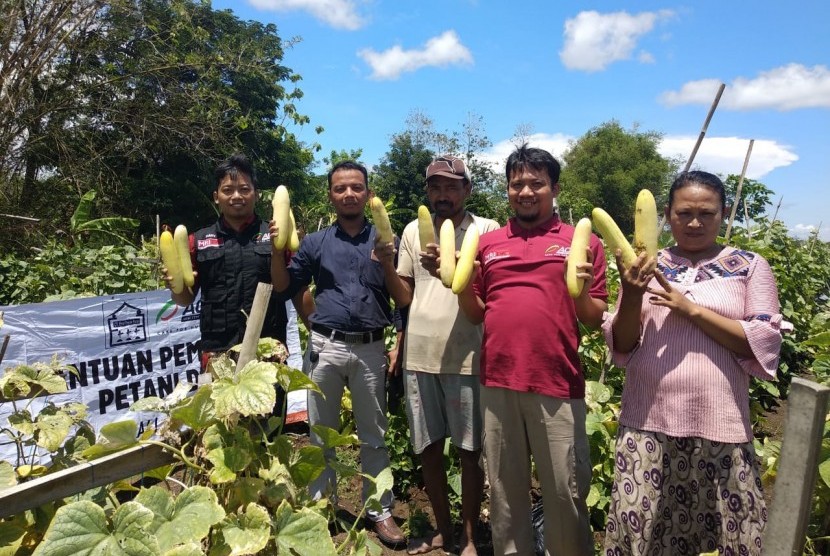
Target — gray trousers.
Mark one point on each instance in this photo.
(552, 430)
(361, 367)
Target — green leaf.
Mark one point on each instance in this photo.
(380, 484)
(279, 485)
(154, 403)
(83, 212)
(81, 529)
(114, 437)
(248, 532)
(293, 379)
(187, 519)
(307, 464)
(38, 377)
(596, 394)
(593, 496)
(330, 438)
(594, 423)
(302, 532)
(12, 532)
(8, 477)
(222, 367)
(199, 412)
(819, 340)
(52, 428)
(251, 392)
(190, 549)
(245, 491)
(21, 421)
(824, 471)
(229, 451)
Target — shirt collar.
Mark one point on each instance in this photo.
(363, 231)
(228, 229)
(552, 224)
(466, 221)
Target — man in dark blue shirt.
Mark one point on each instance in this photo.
(354, 275)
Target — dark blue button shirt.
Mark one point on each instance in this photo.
(350, 291)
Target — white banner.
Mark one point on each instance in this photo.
(124, 347)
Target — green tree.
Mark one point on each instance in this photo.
(139, 100)
(400, 177)
(607, 167)
(754, 194)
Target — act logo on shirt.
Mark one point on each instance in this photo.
(263, 238)
(208, 242)
(495, 255)
(557, 251)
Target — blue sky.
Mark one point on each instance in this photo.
(556, 69)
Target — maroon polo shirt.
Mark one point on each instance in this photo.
(531, 335)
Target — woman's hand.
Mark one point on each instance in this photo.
(635, 278)
(670, 297)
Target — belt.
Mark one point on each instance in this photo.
(348, 337)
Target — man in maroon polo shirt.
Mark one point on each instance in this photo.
(533, 389)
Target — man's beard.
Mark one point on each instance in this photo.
(352, 216)
(527, 217)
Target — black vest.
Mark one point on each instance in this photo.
(230, 266)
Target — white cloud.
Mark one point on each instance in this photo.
(340, 14)
(441, 51)
(804, 231)
(556, 144)
(594, 40)
(725, 155)
(719, 155)
(784, 88)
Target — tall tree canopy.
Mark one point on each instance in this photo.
(138, 99)
(607, 167)
(401, 172)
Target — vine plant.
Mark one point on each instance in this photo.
(238, 486)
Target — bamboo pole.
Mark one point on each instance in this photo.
(700, 137)
(705, 126)
(778, 206)
(253, 328)
(27, 218)
(738, 195)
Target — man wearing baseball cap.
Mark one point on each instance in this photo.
(440, 361)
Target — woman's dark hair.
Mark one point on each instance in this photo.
(349, 165)
(538, 159)
(232, 166)
(701, 178)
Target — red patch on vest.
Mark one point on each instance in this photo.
(209, 242)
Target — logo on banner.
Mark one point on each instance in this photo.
(126, 325)
(167, 311)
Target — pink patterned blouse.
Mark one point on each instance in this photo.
(679, 381)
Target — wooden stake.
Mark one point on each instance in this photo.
(738, 195)
(253, 328)
(5, 343)
(797, 469)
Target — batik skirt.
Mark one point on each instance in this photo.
(683, 496)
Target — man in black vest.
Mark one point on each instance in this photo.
(230, 258)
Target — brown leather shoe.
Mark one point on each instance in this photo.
(389, 532)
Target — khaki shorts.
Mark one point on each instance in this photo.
(440, 406)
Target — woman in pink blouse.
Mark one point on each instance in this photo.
(690, 329)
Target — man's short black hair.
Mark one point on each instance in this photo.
(232, 166)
